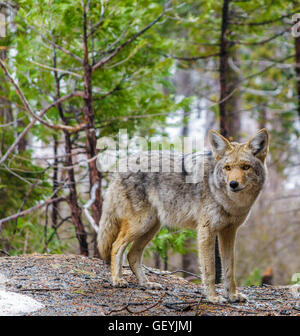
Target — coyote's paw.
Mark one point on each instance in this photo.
(216, 299)
(151, 285)
(120, 283)
(236, 297)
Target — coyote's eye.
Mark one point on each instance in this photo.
(227, 167)
(246, 167)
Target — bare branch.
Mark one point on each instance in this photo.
(266, 22)
(55, 69)
(67, 52)
(15, 174)
(194, 58)
(4, 252)
(130, 40)
(31, 124)
(107, 122)
(28, 211)
(63, 220)
(262, 41)
(126, 307)
(97, 24)
(19, 92)
(33, 115)
(118, 87)
(37, 31)
(111, 48)
(88, 204)
(19, 138)
(12, 123)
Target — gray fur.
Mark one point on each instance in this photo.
(143, 201)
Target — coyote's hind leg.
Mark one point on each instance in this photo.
(135, 256)
(123, 239)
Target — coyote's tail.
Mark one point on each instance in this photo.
(108, 230)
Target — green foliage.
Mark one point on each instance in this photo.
(168, 239)
(295, 279)
(128, 92)
(138, 71)
(27, 235)
(260, 33)
(23, 185)
(133, 90)
(16, 182)
(254, 278)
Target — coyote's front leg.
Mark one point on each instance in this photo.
(206, 248)
(226, 243)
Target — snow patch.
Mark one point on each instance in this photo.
(13, 304)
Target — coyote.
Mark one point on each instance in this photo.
(137, 203)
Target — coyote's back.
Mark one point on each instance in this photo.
(149, 195)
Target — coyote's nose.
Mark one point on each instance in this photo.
(234, 184)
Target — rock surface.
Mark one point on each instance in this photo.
(77, 285)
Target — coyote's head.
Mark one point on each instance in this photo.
(240, 167)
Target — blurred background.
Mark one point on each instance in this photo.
(73, 72)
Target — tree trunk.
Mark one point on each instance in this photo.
(6, 113)
(229, 107)
(54, 213)
(189, 259)
(262, 117)
(223, 77)
(218, 263)
(184, 87)
(233, 104)
(157, 260)
(91, 150)
(91, 140)
(297, 68)
(73, 198)
(223, 70)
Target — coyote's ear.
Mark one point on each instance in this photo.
(219, 144)
(259, 144)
